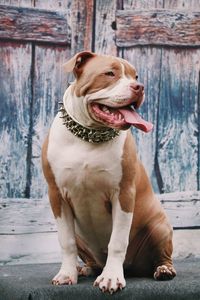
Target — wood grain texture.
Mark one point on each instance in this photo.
(147, 62)
(182, 4)
(158, 27)
(144, 4)
(30, 24)
(183, 208)
(62, 5)
(15, 97)
(21, 216)
(50, 82)
(81, 25)
(178, 120)
(105, 27)
(20, 3)
(47, 4)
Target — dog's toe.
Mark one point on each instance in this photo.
(64, 278)
(111, 284)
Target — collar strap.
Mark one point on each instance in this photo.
(94, 136)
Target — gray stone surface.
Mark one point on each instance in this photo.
(33, 282)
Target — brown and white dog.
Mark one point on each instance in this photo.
(105, 209)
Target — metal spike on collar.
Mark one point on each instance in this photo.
(94, 136)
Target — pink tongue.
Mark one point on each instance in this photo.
(134, 119)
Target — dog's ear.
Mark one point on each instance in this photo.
(77, 61)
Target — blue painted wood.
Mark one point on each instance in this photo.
(50, 83)
(178, 121)
(15, 86)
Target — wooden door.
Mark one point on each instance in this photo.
(34, 43)
(162, 39)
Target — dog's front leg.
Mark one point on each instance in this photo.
(112, 277)
(65, 225)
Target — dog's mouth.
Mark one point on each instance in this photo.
(119, 117)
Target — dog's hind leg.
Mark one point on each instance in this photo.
(163, 265)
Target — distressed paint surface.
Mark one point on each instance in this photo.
(135, 4)
(31, 24)
(50, 82)
(105, 27)
(182, 4)
(157, 27)
(168, 4)
(62, 5)
(81, 25)
(178, 120)
(24, 3)
(15, 98)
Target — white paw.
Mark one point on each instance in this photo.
(110, 281)
(65, 277)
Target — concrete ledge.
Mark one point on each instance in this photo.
(32, 282)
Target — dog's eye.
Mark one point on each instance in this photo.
(110, 73)
(136, 77)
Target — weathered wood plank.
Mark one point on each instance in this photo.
(62, 5)
(178, 127)
(31, 24)
(158, 27)
(50, 82)
(23, 216)
(15, 98)
(24, 3)
(144, 4)
(50, 4)
(105, 27)
(148, 63)
(82, 25)
(183, 208)
(29, 249)
(183, 4)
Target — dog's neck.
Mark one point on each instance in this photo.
(77, 120)
(76, 108)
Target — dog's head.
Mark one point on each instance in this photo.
(109, 90)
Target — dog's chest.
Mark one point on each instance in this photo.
(83, 170)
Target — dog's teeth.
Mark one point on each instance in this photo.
(105, 109)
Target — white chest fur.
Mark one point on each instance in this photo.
(89, 175)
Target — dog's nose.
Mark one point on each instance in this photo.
(137, 87)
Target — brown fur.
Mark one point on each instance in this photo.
(127, 184)
(54, 194)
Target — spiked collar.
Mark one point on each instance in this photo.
(90, 135)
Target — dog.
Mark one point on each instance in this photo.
(102, 200)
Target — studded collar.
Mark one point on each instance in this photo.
(90, 135)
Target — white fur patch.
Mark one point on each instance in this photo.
(112, 277)
(65, 224)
